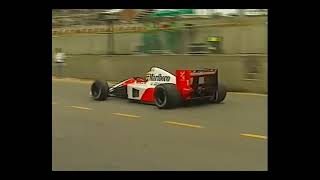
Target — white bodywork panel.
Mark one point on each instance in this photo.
(154, 77)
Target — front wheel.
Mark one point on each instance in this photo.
(99, 90)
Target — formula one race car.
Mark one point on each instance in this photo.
(164, 89)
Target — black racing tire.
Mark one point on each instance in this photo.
(221, 95)
(167, 96)
(99, 90)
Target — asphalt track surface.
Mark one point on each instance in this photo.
(118, 135)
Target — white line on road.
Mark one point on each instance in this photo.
(79, 107)
(126, 115)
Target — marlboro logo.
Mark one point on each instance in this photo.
(159, 77)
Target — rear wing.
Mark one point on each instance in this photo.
(189, 81)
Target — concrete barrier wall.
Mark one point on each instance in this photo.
(96, 44)
(236, 71)
(242, 39)
(237, 39)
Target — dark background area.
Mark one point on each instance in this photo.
(30, 131)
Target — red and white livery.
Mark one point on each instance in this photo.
(164, 89)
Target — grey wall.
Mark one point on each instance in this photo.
(96, 44)
(237, 38)
(233, 69)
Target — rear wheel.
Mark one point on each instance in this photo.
(167, 96)
(221, 94)
(99, 90)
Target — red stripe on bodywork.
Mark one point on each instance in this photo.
(148, 95)
(129, 81)
(132, 80)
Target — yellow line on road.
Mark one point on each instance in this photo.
(54, 103)
(183, 124)
(78, 107)
(254, 136)
(252, 94)
(127, 115)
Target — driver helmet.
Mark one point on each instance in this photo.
(148, 75)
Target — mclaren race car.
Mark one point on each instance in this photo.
(164, 89)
